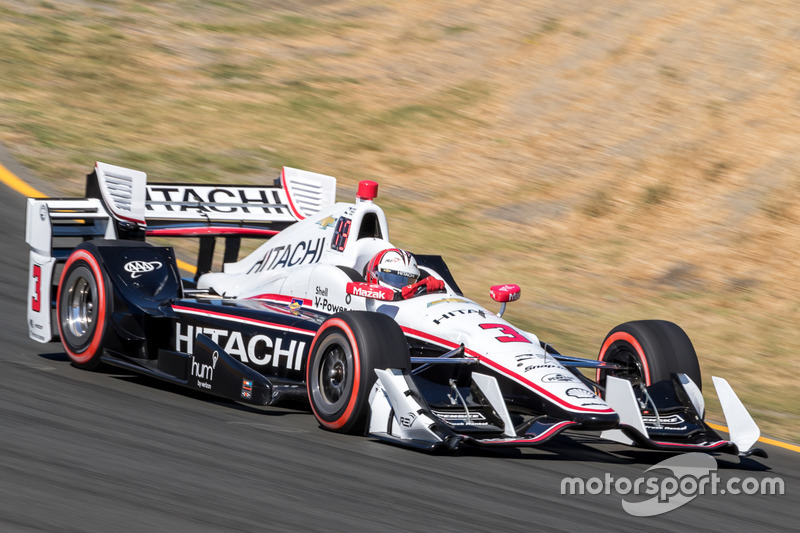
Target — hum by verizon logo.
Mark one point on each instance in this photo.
(204, 371)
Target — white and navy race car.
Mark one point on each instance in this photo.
(305, 315)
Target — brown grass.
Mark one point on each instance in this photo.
(617, 160)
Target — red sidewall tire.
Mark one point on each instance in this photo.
(340, 370)
(339, 420)
(652, 350)
(87, 354)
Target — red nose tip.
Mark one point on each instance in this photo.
(367, 190)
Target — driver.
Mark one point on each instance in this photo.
(397, 269)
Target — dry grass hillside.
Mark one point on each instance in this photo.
(617, 159)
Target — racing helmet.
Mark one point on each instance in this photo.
(393, 268)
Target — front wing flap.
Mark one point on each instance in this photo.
(399, 414)
(633, 429)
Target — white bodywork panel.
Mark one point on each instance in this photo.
(694, 393)
(743, 430)
(391, 392)
(45, 219)
(123, 191)
(490, 389)
(619, 395)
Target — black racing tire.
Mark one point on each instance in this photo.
(83, 308)
(340, 372)
(652, 350)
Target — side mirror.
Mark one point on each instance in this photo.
(504, 294)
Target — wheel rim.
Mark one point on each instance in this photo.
(331, 377)
(80, 308)
(633, 371)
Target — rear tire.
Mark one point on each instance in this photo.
(652, 350)
(342, 360)
(82, 308)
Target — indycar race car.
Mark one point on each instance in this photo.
(312, 314)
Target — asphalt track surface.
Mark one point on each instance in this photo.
(109, 451)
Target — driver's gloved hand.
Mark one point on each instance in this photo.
(429, 284)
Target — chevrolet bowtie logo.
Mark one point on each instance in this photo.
(326, 222)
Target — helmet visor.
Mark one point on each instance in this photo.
(395, 279)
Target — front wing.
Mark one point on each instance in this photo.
(400, 414)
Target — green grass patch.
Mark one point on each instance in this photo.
(656, 194)
(450, 105)
(232, 71)
(285, 26)
(597, 205)
(458, 29)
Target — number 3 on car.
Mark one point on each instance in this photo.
(511, 335)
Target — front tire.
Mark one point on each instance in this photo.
(651, 350)
(343, 357)
(82, 308)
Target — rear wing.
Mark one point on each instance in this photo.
(120, 204)
(129, 199)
